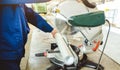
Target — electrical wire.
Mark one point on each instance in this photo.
(104, 45)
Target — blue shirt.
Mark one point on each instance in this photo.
(14, 29)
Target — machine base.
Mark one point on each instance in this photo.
(82, 63)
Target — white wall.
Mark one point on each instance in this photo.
(112, 11)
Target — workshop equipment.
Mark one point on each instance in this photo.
(65, 56)
(83, 20)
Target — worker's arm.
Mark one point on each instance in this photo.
(36, 20)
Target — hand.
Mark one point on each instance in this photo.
(79, 1)
(54, 31)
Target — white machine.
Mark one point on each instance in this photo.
(83, 19)
(70, 8)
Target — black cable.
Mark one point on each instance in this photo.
(104, 46)
(88, 4)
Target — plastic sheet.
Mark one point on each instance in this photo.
(64, 50)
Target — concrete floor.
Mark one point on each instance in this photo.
(40, 63)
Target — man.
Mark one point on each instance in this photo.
(13, 33)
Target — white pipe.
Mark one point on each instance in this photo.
(64, 50)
